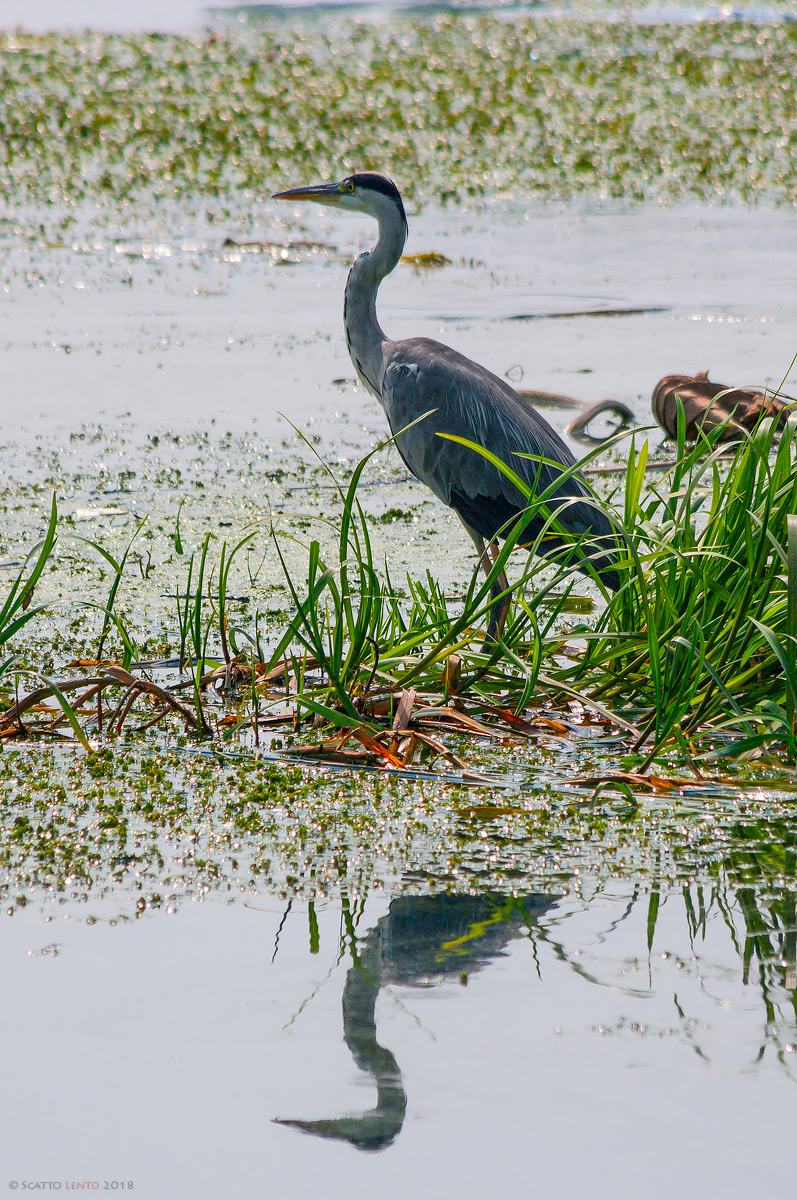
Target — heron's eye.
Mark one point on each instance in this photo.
(348, 186)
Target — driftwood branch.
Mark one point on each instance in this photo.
(114, 677)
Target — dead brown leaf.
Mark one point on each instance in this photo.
(404, 710)
(376, 747)
(452, 715)
(452, 673)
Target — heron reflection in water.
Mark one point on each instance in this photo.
(432, 394)
(422, 941)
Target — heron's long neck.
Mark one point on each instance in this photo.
(364, 336)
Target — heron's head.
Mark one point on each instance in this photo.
(365, 192)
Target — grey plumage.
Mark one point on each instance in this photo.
(473, 403)
(416, 375)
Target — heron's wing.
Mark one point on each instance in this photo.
(470, 402)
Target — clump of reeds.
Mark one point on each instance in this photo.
(696, 651)
(703, 635)
(698, 643)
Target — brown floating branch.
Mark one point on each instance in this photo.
(159, 715)
(117, 711)
(96, 690)
(707, 405)
(114, 677)
(579, 427)
(123, 710)
(154, 689)
(333, 753)
(12, 714)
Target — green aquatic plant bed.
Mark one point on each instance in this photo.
(476, 770)
(694, 654)
(699, 642)
(454, 106)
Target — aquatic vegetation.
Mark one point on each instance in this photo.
(698, 645)
(456, 106)
(705, 631)
(16, 611)
(695, 652)
(166, 820)
(462, 785)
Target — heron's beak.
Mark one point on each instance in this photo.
(322, 193)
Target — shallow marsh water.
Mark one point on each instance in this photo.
(645, 997)
(545, 990)
(572, 1059)
(155, 364)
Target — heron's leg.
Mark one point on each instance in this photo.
(478, 542)
(498, 613)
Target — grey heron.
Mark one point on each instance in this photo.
(415, 375)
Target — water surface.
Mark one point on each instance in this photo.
(228, 975)
(539, 1043)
